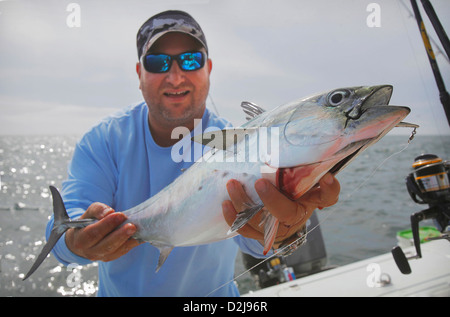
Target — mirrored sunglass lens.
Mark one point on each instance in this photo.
(191, 61)
(157, 63)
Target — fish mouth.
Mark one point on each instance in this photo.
(342, 110)
(354, 149)
(378, 96)
(339, 132)
(373, 117)
(346, 160)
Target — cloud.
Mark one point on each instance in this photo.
(268, 52)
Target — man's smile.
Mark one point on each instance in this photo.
(176, 94)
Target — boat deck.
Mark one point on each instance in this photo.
(377, 276)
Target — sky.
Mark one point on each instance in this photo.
(60, 74)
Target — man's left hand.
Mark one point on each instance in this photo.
(292, 215)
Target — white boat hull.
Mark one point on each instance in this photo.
(377, 276)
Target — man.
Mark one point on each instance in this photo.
(126, 159)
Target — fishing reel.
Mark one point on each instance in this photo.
(427, 184)
(276, 272)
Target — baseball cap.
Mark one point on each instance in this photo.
(165, 22)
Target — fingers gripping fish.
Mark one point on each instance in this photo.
(312, 136)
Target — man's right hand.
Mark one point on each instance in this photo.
(104, 240)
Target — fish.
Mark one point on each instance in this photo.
(293, 146)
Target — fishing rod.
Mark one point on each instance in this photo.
(437, 25)
(443, 94)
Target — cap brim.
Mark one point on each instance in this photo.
(155, 38)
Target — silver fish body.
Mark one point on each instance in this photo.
(315, 135)
(188, 212)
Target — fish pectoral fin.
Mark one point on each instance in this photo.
(164, 251)
(244, 216)
(270, 231)
(223, 139)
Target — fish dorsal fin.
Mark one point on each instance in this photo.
(223, 139)
(251, 109)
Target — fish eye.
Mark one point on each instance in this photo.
(337, 97)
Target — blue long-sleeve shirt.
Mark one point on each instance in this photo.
(118, 163)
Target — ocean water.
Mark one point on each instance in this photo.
(374, 204)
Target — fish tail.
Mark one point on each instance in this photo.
(60, 225)
(54, 237)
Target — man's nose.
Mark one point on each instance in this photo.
(175, 75)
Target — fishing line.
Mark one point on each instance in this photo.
(248, 270)
(279, 251)
(213, 104)
(378, 167)
(413, 133)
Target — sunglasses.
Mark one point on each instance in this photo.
(161, 63)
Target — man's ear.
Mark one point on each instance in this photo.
(138, 72)
(138, 69)
(209, 61)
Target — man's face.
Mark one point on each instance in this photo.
(177, 97)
